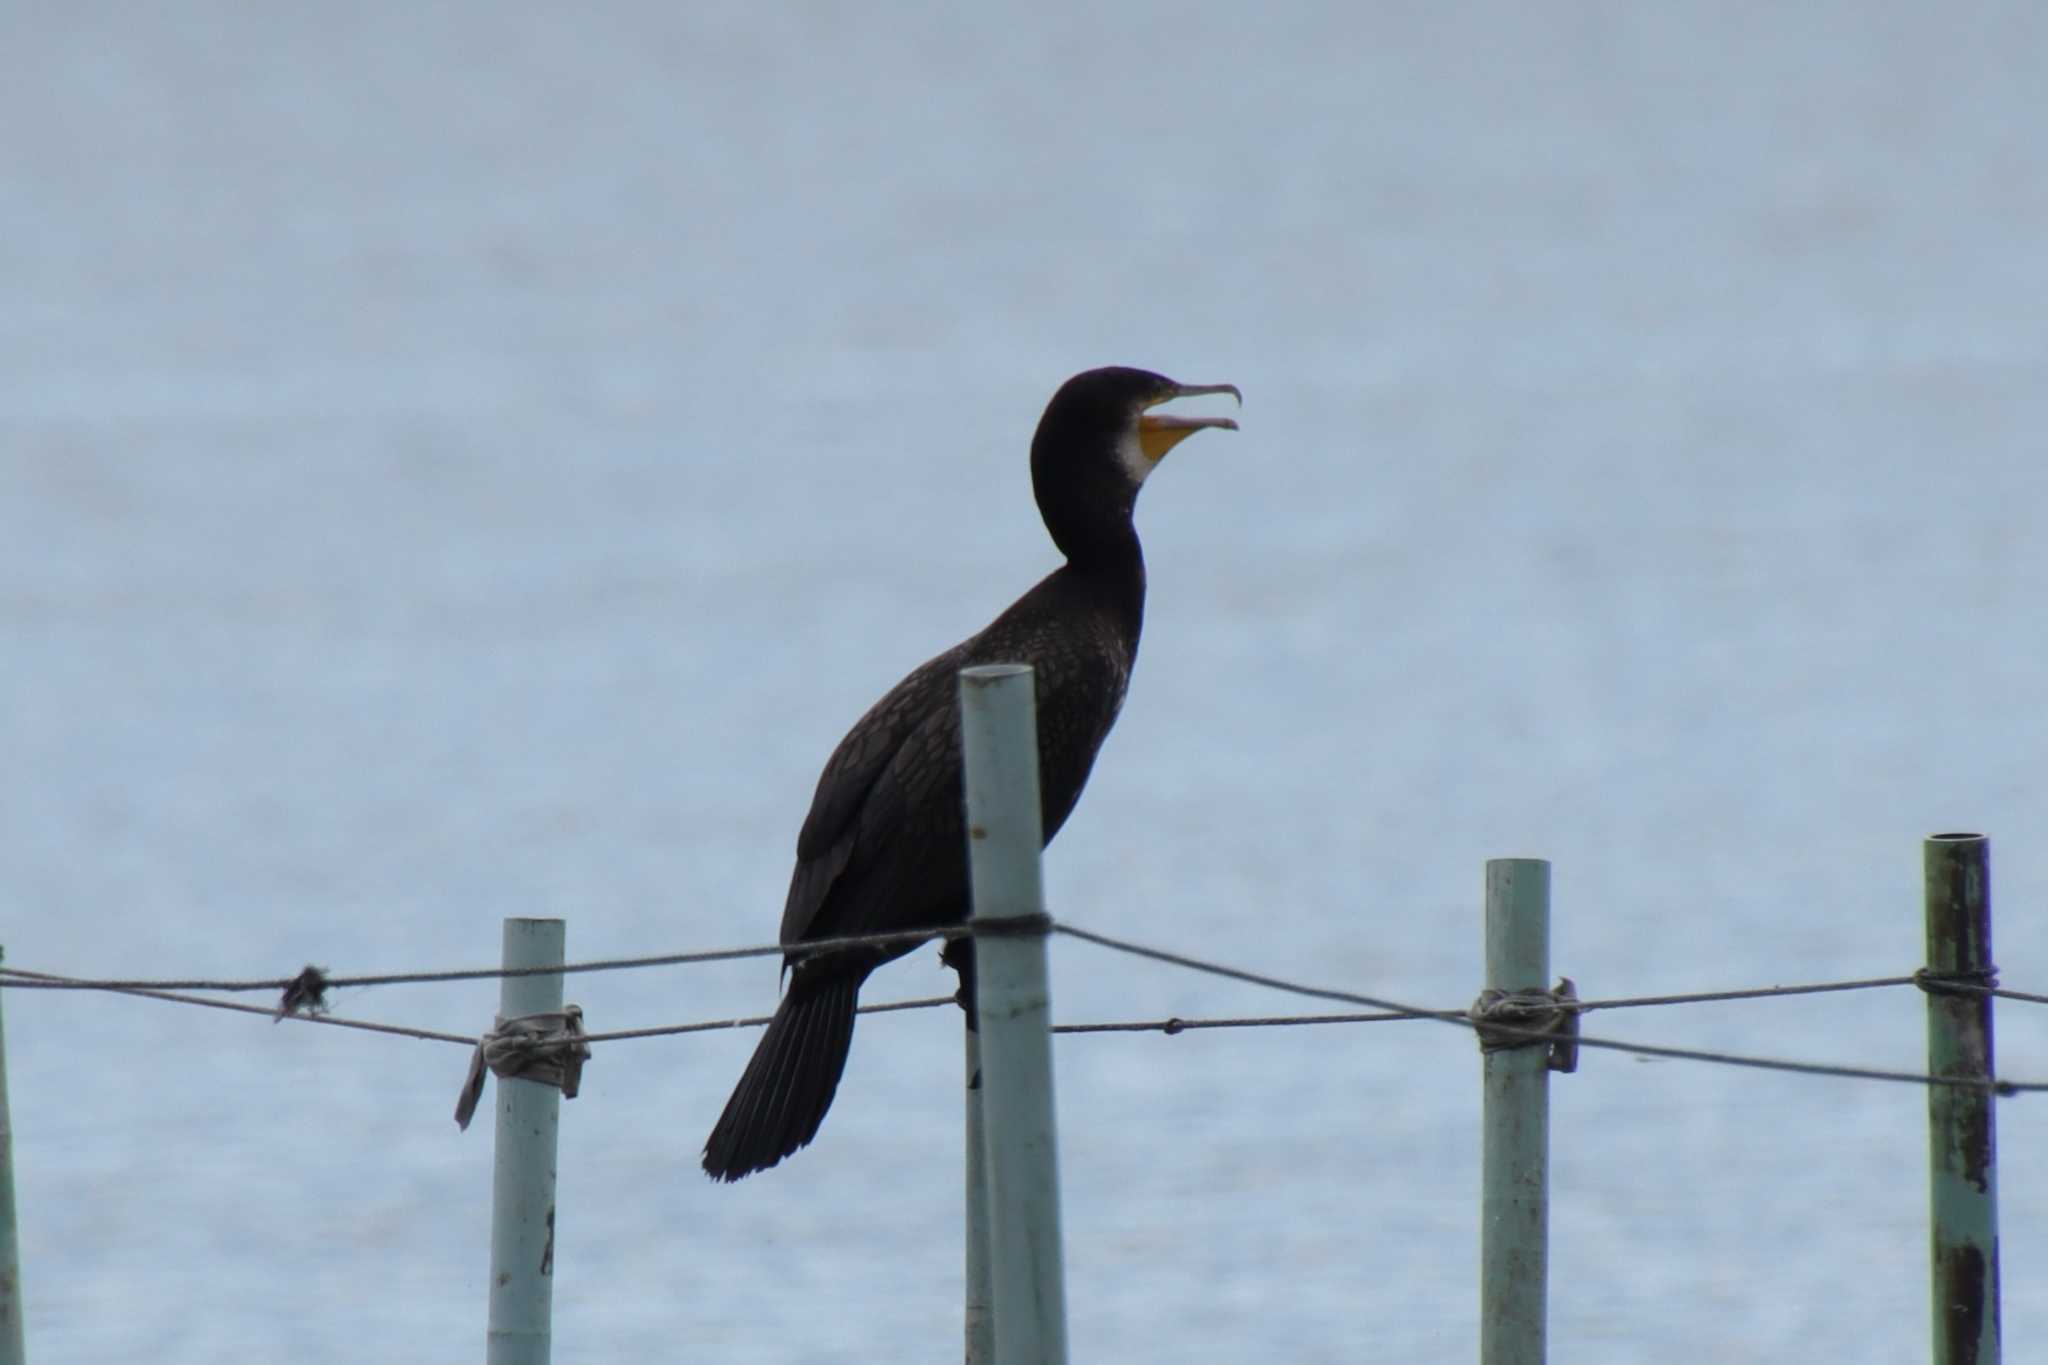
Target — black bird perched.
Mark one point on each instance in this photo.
(884, 847)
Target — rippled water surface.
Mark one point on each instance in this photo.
(475, 461)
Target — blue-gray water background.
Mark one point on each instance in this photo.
(475, 460)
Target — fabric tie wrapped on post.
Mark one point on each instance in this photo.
(547, 1048)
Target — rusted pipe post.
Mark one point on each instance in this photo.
(1962, 1125)
(12, 1350)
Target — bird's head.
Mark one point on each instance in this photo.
(1100, 438)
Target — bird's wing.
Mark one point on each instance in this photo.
(869, 803)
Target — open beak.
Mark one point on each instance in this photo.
(1161, 432)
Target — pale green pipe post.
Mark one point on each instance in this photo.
(1962, 1123)
(523, 1169)
(1514, 1217)
(13, 1351)
(999, 738)
(980, 1317)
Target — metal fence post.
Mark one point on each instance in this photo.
(1514, 1212)
(13, 1351)
(523, 1167)
(999, 736)
(1962, 1124)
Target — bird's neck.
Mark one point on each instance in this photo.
(1111, 569)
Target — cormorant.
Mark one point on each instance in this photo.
(884, 847)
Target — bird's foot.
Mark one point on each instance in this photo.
(959, 955)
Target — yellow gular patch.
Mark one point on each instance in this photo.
(1159, 434)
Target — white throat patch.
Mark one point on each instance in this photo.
(1131, 455)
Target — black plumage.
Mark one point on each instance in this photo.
(883, 847)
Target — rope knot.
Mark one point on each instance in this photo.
(304, 994)
(546, 1048)
(1530, 1018)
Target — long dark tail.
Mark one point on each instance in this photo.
(780, 1101)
